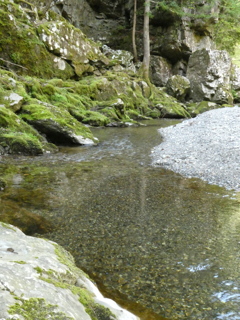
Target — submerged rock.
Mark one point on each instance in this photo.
(39, 278)
(25, 220)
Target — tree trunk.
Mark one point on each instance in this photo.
(146, 42)
(134, 31)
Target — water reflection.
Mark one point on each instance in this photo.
(168, 244)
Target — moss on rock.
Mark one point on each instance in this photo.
(195, 108)
(21, 48)
(37, 309)
(57, 123)
(17, 137)
(68, 42)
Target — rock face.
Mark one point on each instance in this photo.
(39, 278)
(70, 44)
(174, 38)
(209, 73)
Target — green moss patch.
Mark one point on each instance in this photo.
(37, 309)
(21, 46)
(17, 137)
(56, 122)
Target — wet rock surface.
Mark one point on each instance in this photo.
(205, 147)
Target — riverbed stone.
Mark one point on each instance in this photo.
(38, 277)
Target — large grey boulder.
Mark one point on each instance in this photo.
(235, 77)
(209, 74)
(38, 279)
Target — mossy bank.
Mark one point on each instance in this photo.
(55, 83)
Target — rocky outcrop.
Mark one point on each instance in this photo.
(209, 73)
(173, 37)
(38, 278)
(70, 44)
(57, 112)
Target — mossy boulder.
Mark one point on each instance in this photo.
(17, 137)
(41, 281)
(69, 43)
(21, 49)
(2, 184)
(92, 118)
(195, 108)
(56, 123)
(168, 105)
(178, 87)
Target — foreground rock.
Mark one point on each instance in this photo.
(206, 147)
(38, 279)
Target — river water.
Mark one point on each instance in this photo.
(164, 246)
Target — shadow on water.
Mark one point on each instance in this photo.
(160, 244)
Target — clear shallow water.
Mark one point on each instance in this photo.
(163, 245)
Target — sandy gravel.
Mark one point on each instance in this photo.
(206, 147)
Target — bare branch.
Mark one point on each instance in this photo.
(18, 65)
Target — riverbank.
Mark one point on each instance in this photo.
(206, 147)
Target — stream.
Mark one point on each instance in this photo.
(163, 246)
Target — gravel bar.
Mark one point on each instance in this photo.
(206, 147)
